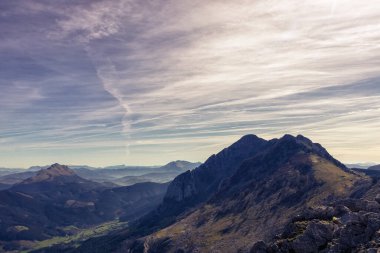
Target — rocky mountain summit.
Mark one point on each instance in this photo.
(51, 173)
(196, 186)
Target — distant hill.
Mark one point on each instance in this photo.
(359, 165)
(56, 197)
(372, 171)
(162, 174)
(112, 176)
(375, 167)
(14, 178)
(7, 171)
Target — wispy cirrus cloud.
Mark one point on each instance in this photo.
(191, 76)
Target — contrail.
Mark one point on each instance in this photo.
(107, 74)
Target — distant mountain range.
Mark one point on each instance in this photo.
(257, 196)
(42, 206)
(112, 176)
(360, 165)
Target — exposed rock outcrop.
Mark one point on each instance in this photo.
(350, 225)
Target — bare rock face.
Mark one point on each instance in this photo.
(205, 179)
(316, 236)
(182, 188)
(196, 186)
(352, 226)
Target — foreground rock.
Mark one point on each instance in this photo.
(350, 225)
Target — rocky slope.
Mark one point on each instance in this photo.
(348, 225)
(196, 186)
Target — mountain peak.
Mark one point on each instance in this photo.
(180, 165)
(198, 184)
(54, 171)
(290, 144)
(299, 138)
(57, 170)
(249, 139)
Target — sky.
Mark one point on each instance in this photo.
(149, 81)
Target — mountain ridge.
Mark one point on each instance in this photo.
(253, 194)
(51, 173)
(244, 198)
(258, 192)
(110, 176)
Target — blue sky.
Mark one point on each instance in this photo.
(146, 82)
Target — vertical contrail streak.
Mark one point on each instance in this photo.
(107, 74)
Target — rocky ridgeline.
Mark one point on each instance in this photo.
(350, 225)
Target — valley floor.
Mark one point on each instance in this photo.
(74, 237)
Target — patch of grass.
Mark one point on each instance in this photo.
(21, 228)
(334, 180)
(81, 235)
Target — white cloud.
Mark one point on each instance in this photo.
(206, 72)
(210, 63)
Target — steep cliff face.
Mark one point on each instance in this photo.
(195, 186)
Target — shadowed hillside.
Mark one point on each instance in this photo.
(43, 206)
